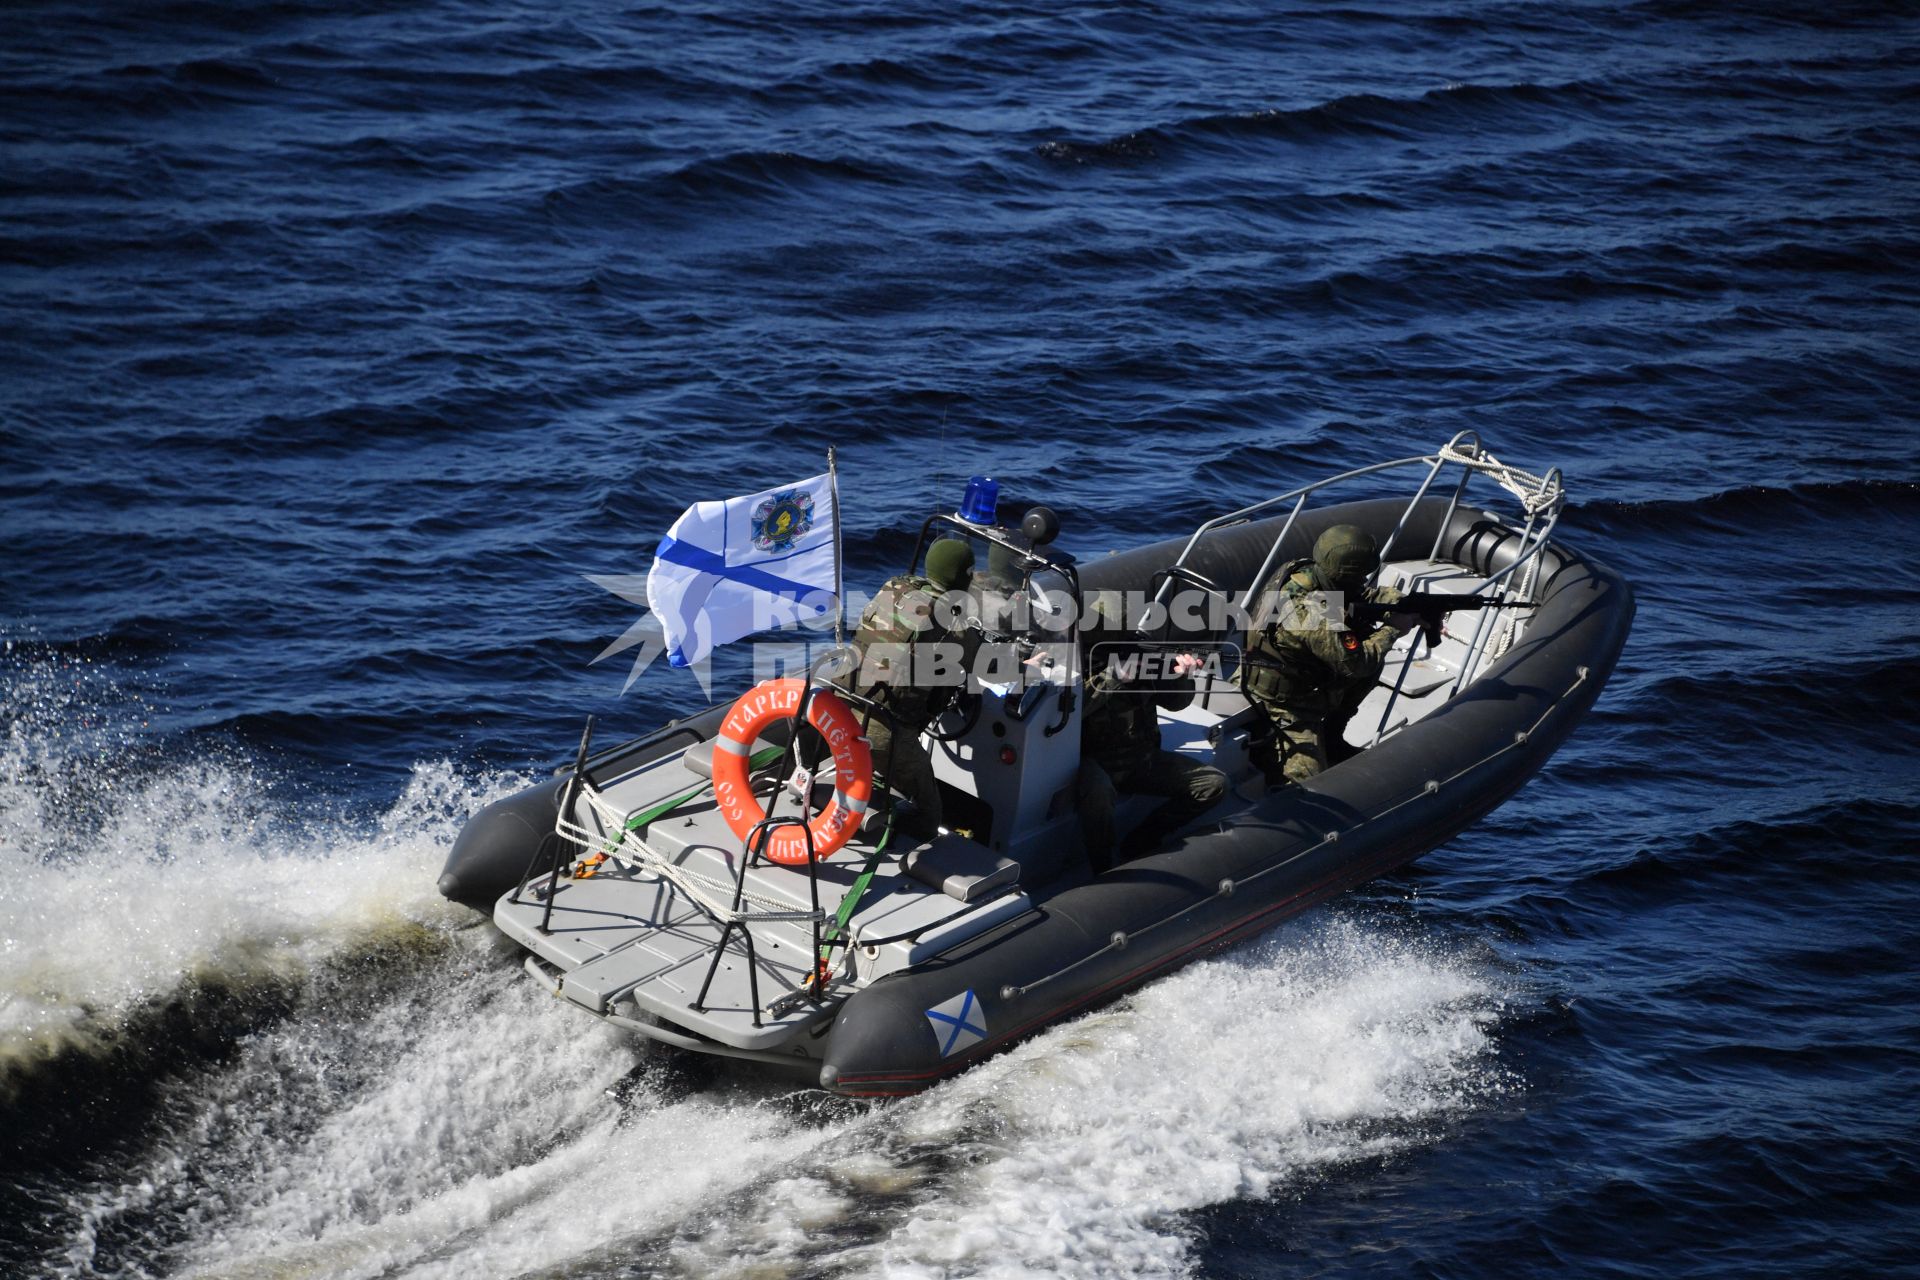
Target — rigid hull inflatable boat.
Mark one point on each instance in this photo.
(896, 962)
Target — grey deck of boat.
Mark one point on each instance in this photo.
(627, 935)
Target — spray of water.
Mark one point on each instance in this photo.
(464, 1124)
(130, 876)
(1325, 1043)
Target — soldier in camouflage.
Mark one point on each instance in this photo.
(897, 633)
(1307, 668)
(1120, 752)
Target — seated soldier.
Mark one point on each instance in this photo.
(900, 624)
(1307, 667)
(1120, 752)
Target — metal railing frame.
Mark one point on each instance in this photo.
(753, 846)
(1464, 449)
(757, 839)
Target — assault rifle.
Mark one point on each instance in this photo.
(1428, 607)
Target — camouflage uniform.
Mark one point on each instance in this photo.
(1307, 669)
(1120, 751)
(897, 630)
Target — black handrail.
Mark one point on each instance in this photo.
(567, 799)
(762, 831)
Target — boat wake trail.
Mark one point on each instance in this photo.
(440, 1117)
(459, 1125)
(1324, 1043)
(444, 1117)
(1086, 1151)
(132, 884)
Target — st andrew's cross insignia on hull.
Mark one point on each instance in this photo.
(958, 1023)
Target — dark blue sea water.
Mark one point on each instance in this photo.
(339, 341)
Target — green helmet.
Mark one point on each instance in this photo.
(1344, 557)
(949, 563)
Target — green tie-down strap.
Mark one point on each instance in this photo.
(858, 890)
(758, 760)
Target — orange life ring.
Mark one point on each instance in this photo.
(760, 706)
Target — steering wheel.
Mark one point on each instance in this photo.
(966, 704)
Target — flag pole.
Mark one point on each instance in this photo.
(839, 598)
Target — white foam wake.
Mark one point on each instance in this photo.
(124, 880)
(459, 1126)
(1323, 1044)
(1086, 1151)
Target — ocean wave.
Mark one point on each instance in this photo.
(1752, 508)
(454, 413)
(871, 81)
(735, 176)
(1763, 14)
(1360, 116)
(1443, 109)
(1851, 842)
(1834, 696)
(1420, 286)
(134, 640)
(224, 73)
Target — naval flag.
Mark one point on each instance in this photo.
(729, 569)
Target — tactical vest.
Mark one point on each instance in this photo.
(1282, 674)
(899, 615)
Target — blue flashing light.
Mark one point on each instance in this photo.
(982, 503)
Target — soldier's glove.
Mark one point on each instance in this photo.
(1405, 621)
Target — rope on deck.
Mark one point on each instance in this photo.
(626, 849)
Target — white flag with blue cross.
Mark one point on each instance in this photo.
(729, 569)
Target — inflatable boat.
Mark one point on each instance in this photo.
(725, 885)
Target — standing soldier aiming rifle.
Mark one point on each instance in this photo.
(1312, 661)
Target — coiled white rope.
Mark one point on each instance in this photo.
(1538, 495)
(714, 894)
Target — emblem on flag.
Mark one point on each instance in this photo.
(782, 520)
